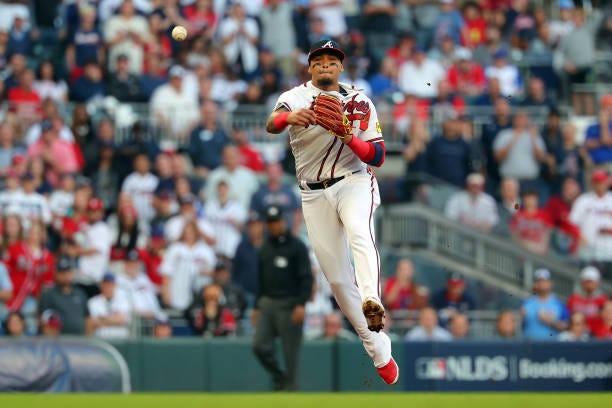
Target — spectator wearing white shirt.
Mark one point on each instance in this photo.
(34, 206)
(172, 107)
(577, 330)
(509, 77)
(239, 36)
(140, 186)
(50, 112)
(10, 195)
(140, 291)
(330, 12)
(428, 328)
(127, 33)
(592, 214)
(421, 75)
(242, 181)
(473, 207)
(62, 198)
(187, 212)
(92, 246)
(187, 267)
(48, 86)
(227, 217)
(110, 310)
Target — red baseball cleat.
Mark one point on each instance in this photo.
(389, 372)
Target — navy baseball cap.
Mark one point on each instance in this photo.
(274, 213)
(63, 264)
(108, 277)
(132, 256)
(326, 46)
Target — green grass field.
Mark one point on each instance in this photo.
(307, 400)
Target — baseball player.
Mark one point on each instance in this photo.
(335, 136)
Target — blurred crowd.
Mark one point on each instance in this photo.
(98, 231)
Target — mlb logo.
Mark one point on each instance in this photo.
(428, 368)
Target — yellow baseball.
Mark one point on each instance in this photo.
(179, 33)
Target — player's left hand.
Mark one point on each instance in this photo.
(298, 314)
(330, 115)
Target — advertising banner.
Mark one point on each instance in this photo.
(503, 366)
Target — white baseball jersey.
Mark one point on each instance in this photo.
(34, 206)
(99, 306)
(60, 202)
(140, 188)
(140, 292)
(92, 267)
(593, 215)
(226, 221)
(190, 269)
(174, 228)
(318, 154)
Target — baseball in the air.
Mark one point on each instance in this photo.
(179, 33)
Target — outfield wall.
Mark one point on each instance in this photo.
(229, 365)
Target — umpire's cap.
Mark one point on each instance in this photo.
(325, 46)
(274, 213)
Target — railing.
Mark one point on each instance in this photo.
(253, 119)
(480, 255)
(482, 322)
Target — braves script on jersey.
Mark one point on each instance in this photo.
(318, 156)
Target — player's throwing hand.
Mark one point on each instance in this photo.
(302, 117)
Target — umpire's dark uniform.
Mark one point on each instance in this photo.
(285, 284)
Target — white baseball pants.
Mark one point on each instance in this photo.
(339, 216)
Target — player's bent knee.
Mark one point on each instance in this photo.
(263, 349)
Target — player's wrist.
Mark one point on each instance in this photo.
(281, 120)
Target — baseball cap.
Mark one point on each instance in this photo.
(501, 53)
(274, 213)
(455, 279)
(176, 71)
(475, 178)
(220, 266)
(51, 318)
(17, 159)
(325, 46)
(164, 195)
(27, 176)
(132, 256)
(462, 53)
(590, 273)
(599, 176)
(187, 199)
(46, 125)
(542, 274)
(566, 4)
(418, 49)
(108, 277)
(606, 100)
(95, 204)
(63, 264)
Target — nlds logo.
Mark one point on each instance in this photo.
(462, 368)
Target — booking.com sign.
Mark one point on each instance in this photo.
(507, 366)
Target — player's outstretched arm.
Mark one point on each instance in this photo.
(281, 118)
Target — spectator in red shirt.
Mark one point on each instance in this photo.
(31, 266)
(152, 256)
(590, 300)
(531, 226)
(558, 208)
(476, 25)
(466, 77)
(401, 292)
(26, 102)
(604, 327)
(249, 156)
(202, 18)
(402, 51)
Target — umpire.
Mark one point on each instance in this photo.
(285, 284)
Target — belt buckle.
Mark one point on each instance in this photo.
(325, 183)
